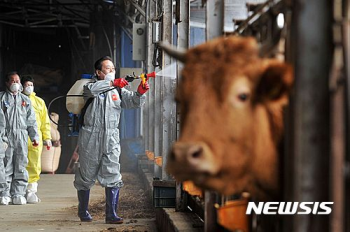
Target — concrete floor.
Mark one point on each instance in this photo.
(55, 212)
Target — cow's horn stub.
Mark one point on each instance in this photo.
(176, 53)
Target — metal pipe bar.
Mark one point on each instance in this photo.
(53, 4)
(13, 12)
(87, 5)
(126, 16)
(168, 107)
(157, 107)
(12, 24)
(43, 21)
(183, 42)
(338, 145)
(214, 28)
(346, 44)
(73, 12)
(312, 42)
(149, 126)
(51, 26)
(214, 19)
(30, 17)
(260, 10)
(79, 37)
(210, 224)
(138, 7)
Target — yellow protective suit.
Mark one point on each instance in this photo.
(44, 130)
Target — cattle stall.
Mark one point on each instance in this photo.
(315, 159)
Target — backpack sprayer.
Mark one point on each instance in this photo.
(75, 101)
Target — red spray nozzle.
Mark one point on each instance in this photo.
(152, 74)
(144, 77)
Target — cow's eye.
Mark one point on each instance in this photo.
(243, 96)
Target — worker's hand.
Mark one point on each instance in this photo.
(35, 143)
(48, 144)
(5, 146)
(120, 82)
(143, 89)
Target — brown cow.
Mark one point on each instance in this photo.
(231, 103)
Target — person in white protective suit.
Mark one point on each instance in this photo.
(20, 122)
(3, 147)
(44, 130)
(98, 142)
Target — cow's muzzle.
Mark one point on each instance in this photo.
(192, 158)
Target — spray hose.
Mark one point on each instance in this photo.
(65, 96)
(56, 98)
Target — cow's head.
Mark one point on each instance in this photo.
(231, 104)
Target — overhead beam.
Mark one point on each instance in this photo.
(138, 7)
(12, 24)
(43, 21)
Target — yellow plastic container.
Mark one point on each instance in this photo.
(150, 155)
(193, 190)
(158, 161)
(232, 215)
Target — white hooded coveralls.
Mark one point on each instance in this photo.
(99, 143)
(3, 141)
(20, 123)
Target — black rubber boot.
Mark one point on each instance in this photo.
(112, 198)
(83, 213)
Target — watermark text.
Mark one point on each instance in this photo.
(289, 208)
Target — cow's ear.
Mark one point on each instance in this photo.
(276, 82)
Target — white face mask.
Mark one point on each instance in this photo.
(15, 87)
(110, 76)
(28, 90)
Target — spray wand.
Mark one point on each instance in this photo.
(144, 77)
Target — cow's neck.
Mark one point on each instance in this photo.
(265, 149)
